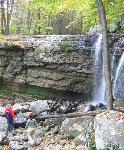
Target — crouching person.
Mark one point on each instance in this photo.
(31, 126)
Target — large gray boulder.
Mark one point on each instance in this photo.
(109, 128)
(39, 106)
(73, 127)
(23, 107)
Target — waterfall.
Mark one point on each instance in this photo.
(118, 85)
(99, 80)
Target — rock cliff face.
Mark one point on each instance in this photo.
(56, 62)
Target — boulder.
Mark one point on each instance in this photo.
(80, 140)
(14, 145)
(21, 107)
(119, 103)
(73, 127)
(109, 128)
(20, 121)
(39, 106)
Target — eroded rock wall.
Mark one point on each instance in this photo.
(57, 62)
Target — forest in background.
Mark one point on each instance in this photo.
(27, 17)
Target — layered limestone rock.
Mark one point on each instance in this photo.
(57, 62)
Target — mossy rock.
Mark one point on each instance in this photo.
(119, 103)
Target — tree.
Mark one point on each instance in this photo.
(106, 62)
(6, 16)
(3, 20)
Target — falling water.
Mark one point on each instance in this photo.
(99, 80)
(118, 88)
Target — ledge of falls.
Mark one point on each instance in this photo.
(57, 62)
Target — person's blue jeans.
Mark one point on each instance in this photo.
(9, 126)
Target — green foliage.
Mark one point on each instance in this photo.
(44, 12)
(84, 8)
(112, 146)
(90, 138)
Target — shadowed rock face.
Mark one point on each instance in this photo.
(56, 62)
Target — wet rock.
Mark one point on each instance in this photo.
(65, 108)
(100, 106)
(81, 108)
(90, 107)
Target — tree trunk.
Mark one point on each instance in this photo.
(10, 5)
(29, 20)
(8, 17)
(3, 19)
(73, 115)
(106, 62)
(39, 18)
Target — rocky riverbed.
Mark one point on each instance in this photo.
(52, 133)
(62, 133)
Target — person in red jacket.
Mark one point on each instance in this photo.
(10, 115)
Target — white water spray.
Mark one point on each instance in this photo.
(99, 80)
(118, 85)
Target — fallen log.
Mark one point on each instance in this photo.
(77, 114)
(72, 115)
